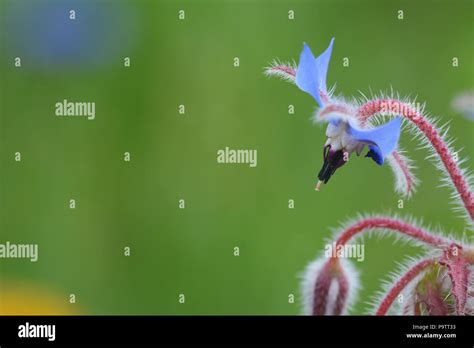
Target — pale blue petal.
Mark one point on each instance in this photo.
(311, 72)
(381, 140)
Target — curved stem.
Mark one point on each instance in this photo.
(393, 225)
(401, 284)
(405, 170)
(396, 107)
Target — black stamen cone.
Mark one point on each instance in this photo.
(332, 161)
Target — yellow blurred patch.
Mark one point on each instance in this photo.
(31, 299)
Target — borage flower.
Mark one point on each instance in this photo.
(344, 137)
(345, 133)
(439, 283)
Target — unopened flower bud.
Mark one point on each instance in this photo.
(329, 287)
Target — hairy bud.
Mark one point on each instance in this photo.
(329, 287)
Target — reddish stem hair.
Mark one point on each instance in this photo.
(405, 170)
(393, 106)
(393, 225)
(401, 283)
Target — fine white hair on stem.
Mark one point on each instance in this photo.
(393, 277)
(402, 169)
(339, 108)
(384, 232)
(285, 71)
(311, 274)
(434, 139)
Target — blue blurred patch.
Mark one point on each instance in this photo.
(43, 34)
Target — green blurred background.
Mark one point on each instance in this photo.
(173, 156)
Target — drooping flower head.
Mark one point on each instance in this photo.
(345, 134)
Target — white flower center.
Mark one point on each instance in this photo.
(340, 139)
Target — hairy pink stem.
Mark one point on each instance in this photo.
(405, 169)
(393, 106)
(458, 269)
(285, 69)
(393, 225)
(330, 108)
(401, 284)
